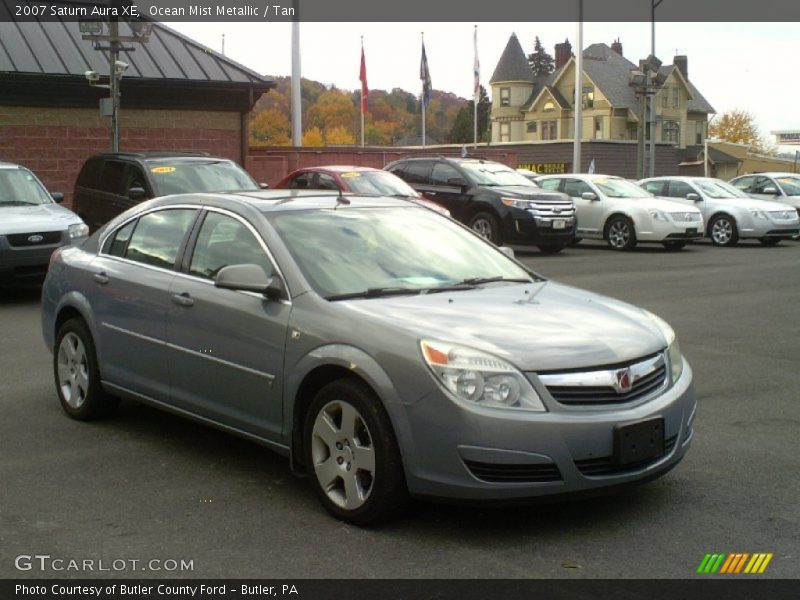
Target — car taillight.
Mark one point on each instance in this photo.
(54, 256)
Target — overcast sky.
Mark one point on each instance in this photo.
(734, 65)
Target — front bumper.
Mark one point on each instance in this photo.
(651, 230)
(521, 227)
(450, 450)
(31, 261)
(784, 229)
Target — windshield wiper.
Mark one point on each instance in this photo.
(480, 280)
(19, 203)
(375, 293)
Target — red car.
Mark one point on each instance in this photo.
(356, 180)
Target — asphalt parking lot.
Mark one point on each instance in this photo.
(148, 485)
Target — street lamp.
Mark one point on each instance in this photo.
(105, 36)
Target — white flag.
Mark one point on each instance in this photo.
(591, 167)
(476, 68)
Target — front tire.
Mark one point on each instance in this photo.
(352, 456)
(620, 233)
(485, 225)
(723, 231)
(77, 375)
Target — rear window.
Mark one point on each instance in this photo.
(90, 173)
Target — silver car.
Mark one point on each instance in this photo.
(32, 224)
(387, 351)
(730, 214)
(780, 187)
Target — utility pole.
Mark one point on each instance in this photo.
(113, 57)
(652, 166)
(297, 126)
(578, 112)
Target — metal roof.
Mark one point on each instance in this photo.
(56, 48)
(513, 64)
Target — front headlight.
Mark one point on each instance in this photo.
(757, 214)
(517, 203)
(78, 230)
(480, 378)
(673, 350)
(657, 215)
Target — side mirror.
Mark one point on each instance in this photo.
(509, 252)
(263, 186)
(693, 197)
(249, 278)
(770, 190)
(58, 197)
(589, 196)
(459, 182)
(137, 194)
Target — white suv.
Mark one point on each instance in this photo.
(620, 212)
(730, 213)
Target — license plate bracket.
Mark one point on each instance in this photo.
(559, 223)
(638, 442)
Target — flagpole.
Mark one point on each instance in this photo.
(362, 95)
(422, 35)
(476, 93)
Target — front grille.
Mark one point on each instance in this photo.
(685, 217)
(22, 240)
(552, 209)
(514, 473)
(598, 467)
(597, 387)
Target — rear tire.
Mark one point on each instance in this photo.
(673, 246)
(77, 375)
(351, 454)
(620, 233)
(723, 231)
(485, 225)
(769, 241)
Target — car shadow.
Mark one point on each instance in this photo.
(20, 293)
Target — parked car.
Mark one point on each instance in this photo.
(356, 180)
(492, 199)
(729, 213)
(109, 184)
(622, 213)
(32, 224)
(780, 187)
(387, 351)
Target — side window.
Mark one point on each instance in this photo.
(111, 177)
(301, 182)
(225, 241)
(654, 187)
(549, 184)
(576, 187)
(90, 173)
(761, 183)
(117, 243)
(679, 189)
(443, 173)
(744, 183)
(134, 178)
(326, 182)
(418, 171)
(158, 237)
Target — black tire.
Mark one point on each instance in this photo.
(723, 231)
(769, 241)
(382, 494)
(673, 245)
(615, 233)
(551, 248)
(78, 386)
(485, 224)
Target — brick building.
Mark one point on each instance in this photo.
(176, 95)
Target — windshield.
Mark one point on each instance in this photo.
(348, 251)
(196, 176)
(377, 183)
(719, 189)
(494, 174)
(616, 187)
(19, 187)
(790, 185)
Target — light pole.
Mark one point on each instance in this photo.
(577, 127)
(646, 82)
(99, 32)
(652, 167)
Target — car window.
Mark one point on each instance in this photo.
(117, 243)
(111, 177)
(158, 235)
(549, 184)
(743, 183)
(654, 187)
(616, 187)
(300, 182)
(378, 183)
(760, 184)
(90, 173)
(225, 241)
(679, 189)
(492, 173)
(326, 182)
(790, 185)
(20, 187)
(576, 187)
(417, 171)
(180, 177)
(716, 188)
(134, 178)
(443, 173)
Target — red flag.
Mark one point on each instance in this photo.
(363, 78)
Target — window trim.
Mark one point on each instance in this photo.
(505, 96)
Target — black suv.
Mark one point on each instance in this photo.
(109, 184)
(494, 200)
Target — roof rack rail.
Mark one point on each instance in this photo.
(157, 154)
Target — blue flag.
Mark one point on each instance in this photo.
(425, 76)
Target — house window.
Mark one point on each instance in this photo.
(549, 130)
(505, 96)
(588, 97)
(548, 107)
(670, 132)
(598, 128)
(531, 127)
(665, 97)
(505, 132)
(698, 139)
(676, 97)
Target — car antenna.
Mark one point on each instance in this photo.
(341, 200)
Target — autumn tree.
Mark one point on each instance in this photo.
(338, 136)
(313, 138)
(739, 126)
(540, 61)
(333, 108)
(270, 127)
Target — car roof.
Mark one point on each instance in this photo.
(161, 156)
(338, 169)
(8, 165)
(581, 175)
(680, 178)
(770, 174)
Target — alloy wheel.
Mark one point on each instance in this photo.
(483, 228)
(619, 234)
(722, 231)
(73, 370)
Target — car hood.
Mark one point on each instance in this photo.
(537, 327)
(662, 204)
(42, 217)
(752, 203)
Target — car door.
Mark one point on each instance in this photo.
(760, 184)
(448, 187)
(109, 198)
(129, 295)
(589, 212)
(226, 347)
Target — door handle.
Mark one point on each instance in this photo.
(100, 278)
(183, 299)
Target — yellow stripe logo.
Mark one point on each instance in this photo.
(735, 563)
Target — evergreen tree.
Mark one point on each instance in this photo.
(462, 130)
(540, 61)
